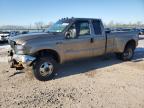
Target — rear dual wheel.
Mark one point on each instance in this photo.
(127, 54)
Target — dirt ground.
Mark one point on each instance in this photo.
(103, 82)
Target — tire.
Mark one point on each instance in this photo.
(44, 68)
(127, 54)
(118, 55)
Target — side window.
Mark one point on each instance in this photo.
(79, 28)
(72, 32)
(97, 27)
(84, 28)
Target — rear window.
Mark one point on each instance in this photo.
(97, 27)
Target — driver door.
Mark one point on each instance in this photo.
(78, 44)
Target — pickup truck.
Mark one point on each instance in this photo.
(68, 39)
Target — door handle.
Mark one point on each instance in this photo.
(92, 40)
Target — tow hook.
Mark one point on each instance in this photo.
(17, 65)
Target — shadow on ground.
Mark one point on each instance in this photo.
(16, 73)
(139, 55)
(83, 66)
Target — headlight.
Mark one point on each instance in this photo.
(22, 49)
(19, 49)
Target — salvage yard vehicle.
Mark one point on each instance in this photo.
(141, 32)
(68, 39)
(4, 36)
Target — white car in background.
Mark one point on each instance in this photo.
(4, 36)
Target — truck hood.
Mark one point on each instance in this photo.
(26, 37)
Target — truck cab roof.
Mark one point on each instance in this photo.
(75, 19)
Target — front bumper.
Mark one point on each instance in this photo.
(25, 59)
(20, 61)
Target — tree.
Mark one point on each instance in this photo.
(111, 24)
(39, 25)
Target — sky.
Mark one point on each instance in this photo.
(26, 12)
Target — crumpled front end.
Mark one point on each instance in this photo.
(20, 61)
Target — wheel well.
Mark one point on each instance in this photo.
(48, 52)
(131, 43)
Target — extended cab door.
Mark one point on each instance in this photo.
(77, 43)
(99, 39)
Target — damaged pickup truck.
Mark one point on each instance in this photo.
(68, 39)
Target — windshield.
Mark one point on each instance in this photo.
(58, 27)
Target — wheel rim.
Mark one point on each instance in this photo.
(128, 54)
(46, 69)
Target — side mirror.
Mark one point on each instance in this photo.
(70, 34)
(67, 34)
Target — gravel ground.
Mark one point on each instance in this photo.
(103, 82)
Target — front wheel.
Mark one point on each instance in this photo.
(127, 54)
(44, 68)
